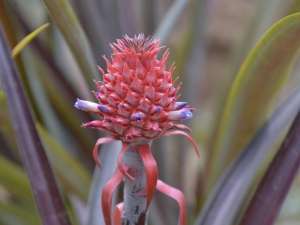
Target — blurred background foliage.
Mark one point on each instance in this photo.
(208, 40)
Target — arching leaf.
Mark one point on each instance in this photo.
(72, 174)
(256, 86)
(276, 183)
(27, 39)
(43, 183)
(14, 179)
(64, 17)
(231, 191)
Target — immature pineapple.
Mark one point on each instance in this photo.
(137, 97)
(137, 103)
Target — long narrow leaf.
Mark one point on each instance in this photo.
(13, 214)
(27, 39)
(271, 192)
(150, 15)
(46, 56)
(8, 142)
(63, 15)
(7, 24)
(169, 21)
(128, 20)
(100, 177)
(227, 199)
(194, 64)
(13, 179)
(71, 174)
(75, 178)
(43, 184)
(94, 27)
(252, 95)
(5, 149)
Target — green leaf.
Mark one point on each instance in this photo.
(291, 207)
(63, 15)
(73, 176)
(56, 101)
(13, 214)
(13, 178)
(232, 189)
(101, 175)
(267, 201)
(43, 183)
(252, 95)
(27, 39)
(6, 128)
(169, 21)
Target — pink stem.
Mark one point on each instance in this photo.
(150, 169)
(121, 166)
(96, 149)
(117, 217)
(187, 136)
(178, 196)
(107, 193)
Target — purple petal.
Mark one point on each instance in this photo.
(182, 114)
(137, 116)
(86, 106)
(104, 108)
(180, 105)
(186, 114)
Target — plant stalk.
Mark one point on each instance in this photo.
(135, 202)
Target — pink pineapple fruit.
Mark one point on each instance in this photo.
(137, 103)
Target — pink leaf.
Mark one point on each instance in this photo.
(150, 169)
(189, 138)
(177, 195)
(99, 142)
(107, 192)
(123, 169)
(183, 127)
(117, 217)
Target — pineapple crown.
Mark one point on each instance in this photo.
(137, 99)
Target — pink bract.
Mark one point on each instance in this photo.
(137, 99)
(137, 103)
